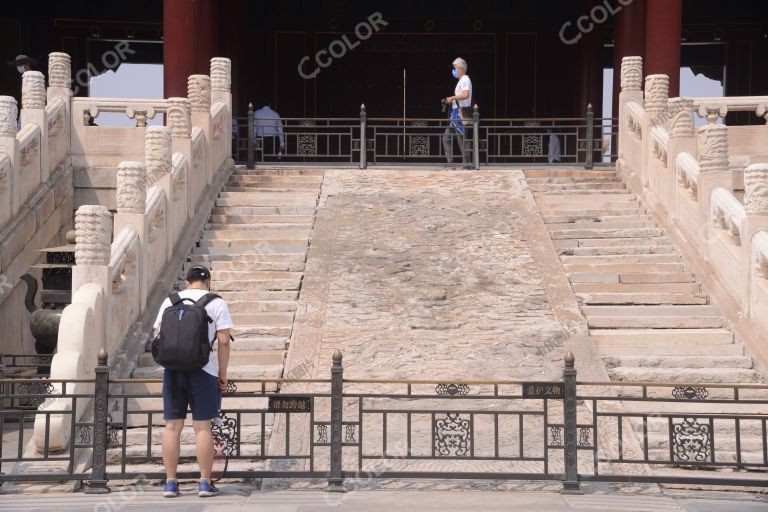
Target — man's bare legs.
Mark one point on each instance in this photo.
(204, 447)
(171, 442)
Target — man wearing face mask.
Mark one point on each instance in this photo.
(462, 99)
(23, 63)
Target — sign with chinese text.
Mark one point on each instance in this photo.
(541, 390)
(290, 404)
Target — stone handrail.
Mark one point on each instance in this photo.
(713, 108)
(688, 171)
(159, 190)
(727, 212)
(139, 109)
(760, 248)
(692, 189)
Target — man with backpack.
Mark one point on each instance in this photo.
(187, 326)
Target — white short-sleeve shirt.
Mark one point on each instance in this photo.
(464, 84)
(218, 311)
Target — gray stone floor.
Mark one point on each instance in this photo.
(244, 497)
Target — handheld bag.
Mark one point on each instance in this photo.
(182, 344)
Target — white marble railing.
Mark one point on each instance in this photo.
(713, 108)
(38, 147)
(160, 187)
(687, 177)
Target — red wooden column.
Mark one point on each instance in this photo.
(208, 42)
(629, 40)
(590, 49)
(664, 20)
(181, 24)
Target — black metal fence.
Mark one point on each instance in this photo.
(343, 430)
(378, 141)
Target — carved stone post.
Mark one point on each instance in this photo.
(157, 153)
(180, 121)
(335, 480)
(158, 160)
(199, 92)
(713, 148)
(631, 91)
(682, 138)
(221, 90)
(59, 87)
(33, 112)
(655, 102)
(98, 482)
(93, 248)
(756, 207)
(656, 94)
(131, 205)
(756, 189)
(9, 185)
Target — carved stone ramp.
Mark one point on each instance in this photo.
(432, 275)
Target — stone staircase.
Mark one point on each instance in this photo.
(255, 243)
(646, 312)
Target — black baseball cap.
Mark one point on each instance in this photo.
(198, 273)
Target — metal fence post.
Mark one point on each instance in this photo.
(363, 141)
(476, 137)
(251, 162)
(335, 480)
(590, 158)
(571, 481)
(98, 482)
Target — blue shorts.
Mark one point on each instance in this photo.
(204, 388)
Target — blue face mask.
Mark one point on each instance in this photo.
(454, 73)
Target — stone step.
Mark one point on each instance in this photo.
(267, 186)
(626, 250)
(576, 217)
(274, 318)
(576, 192)
(568, 173)
(256, 285)
(233, 372)
(256, 235)
(233, 296)
(240, 357)
(649, 311)
(620, 258)
(685, 375)
(625, 268)
(264, 198)
(246, 331)
(257, 246)
(672, 288)
(249, 342)
(590, 201)
(654, 322)
(262, 306)
(641, 298)
(679, 362)
(663, 337)
(605, 233)
(603, 277)
(262, 219)
(278, 172)
(263, 210)
(562, 179)
(244, 254)
(283, 181)
(611, 242)
(257, 226)
(255, 275)
(266, 266)
(621, 349)
(549, 212)
(626, 224)
(602, 186)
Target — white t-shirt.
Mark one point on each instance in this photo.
(218, 311)
(464, 84)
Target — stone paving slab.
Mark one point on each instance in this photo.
(411, 496)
